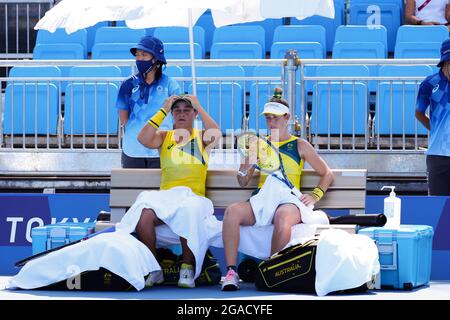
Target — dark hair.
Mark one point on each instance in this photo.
(158, 71)
(278, 97)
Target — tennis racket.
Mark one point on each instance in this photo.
(264, 156)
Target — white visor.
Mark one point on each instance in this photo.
(275, 108)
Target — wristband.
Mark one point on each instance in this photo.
(317, 193)
(157, 118)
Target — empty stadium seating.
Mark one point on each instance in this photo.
(369, 12)
(240, 33)
(301, 33)
(223, 101)
(90, 106)
(397, 100)
(181, 35)
(31, 108)
(118, 35)
(419, 41)
(61, 38)
(340, 107)
(114, 51)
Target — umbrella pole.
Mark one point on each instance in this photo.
(192, 53)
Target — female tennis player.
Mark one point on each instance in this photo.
(294, 152)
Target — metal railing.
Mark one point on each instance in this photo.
(17, 20)
(337, 114)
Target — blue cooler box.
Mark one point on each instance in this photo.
(404, 253)
(55, 235)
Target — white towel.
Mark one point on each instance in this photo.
(186, 214)
(274, 193)
(255, 240)
(119, 252)
(344, 261)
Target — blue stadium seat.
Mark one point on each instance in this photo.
(362, 34)
(91, 34)
(330, 25)
(105, 92)
(181, 34)
(334, 114)
(269, 26)
(237, 50)
(58, 51)
(241, 33)
(410, 33)
(31, 108)
(36, 71)
(60, 36)
(95, 71)
(173, 71)
(181, 50)
(90, 108)
(206, 22)
(359, 50)
(411, 50)
(305, 50)
(114, 51)
(224, 103)
(267, 71)
(301, 33)
(67, 51)
(402, 94)
(118, 35)
(390, 17)
(361, 42)
(222, 71)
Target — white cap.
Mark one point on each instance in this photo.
(275, 108)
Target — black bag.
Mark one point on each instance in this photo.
(290, 270)
(92, 280)
(171, 264)
(293, 270)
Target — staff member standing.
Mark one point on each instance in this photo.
(434, 92)
(140, 97)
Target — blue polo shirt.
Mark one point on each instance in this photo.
(434, 93)
(142, 101)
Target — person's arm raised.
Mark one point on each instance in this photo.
(150, 136)
(212, 134)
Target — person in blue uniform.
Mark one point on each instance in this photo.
(140, 97)
(434, 94)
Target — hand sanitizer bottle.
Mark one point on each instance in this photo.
(392, 208)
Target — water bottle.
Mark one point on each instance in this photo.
(392, 208)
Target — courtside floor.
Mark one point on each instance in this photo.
(437, 290)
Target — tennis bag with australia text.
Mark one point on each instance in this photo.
(293, 270)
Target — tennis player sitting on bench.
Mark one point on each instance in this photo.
(181, 202)
(294, 152)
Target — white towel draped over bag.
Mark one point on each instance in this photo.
(255, 240)
(185, 215)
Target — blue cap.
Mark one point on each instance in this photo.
(445, 52)
(152, 45)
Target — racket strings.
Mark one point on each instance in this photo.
(259, 152)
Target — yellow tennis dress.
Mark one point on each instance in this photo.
(184, 163)
(292, 161)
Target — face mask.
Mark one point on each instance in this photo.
(144, 66)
